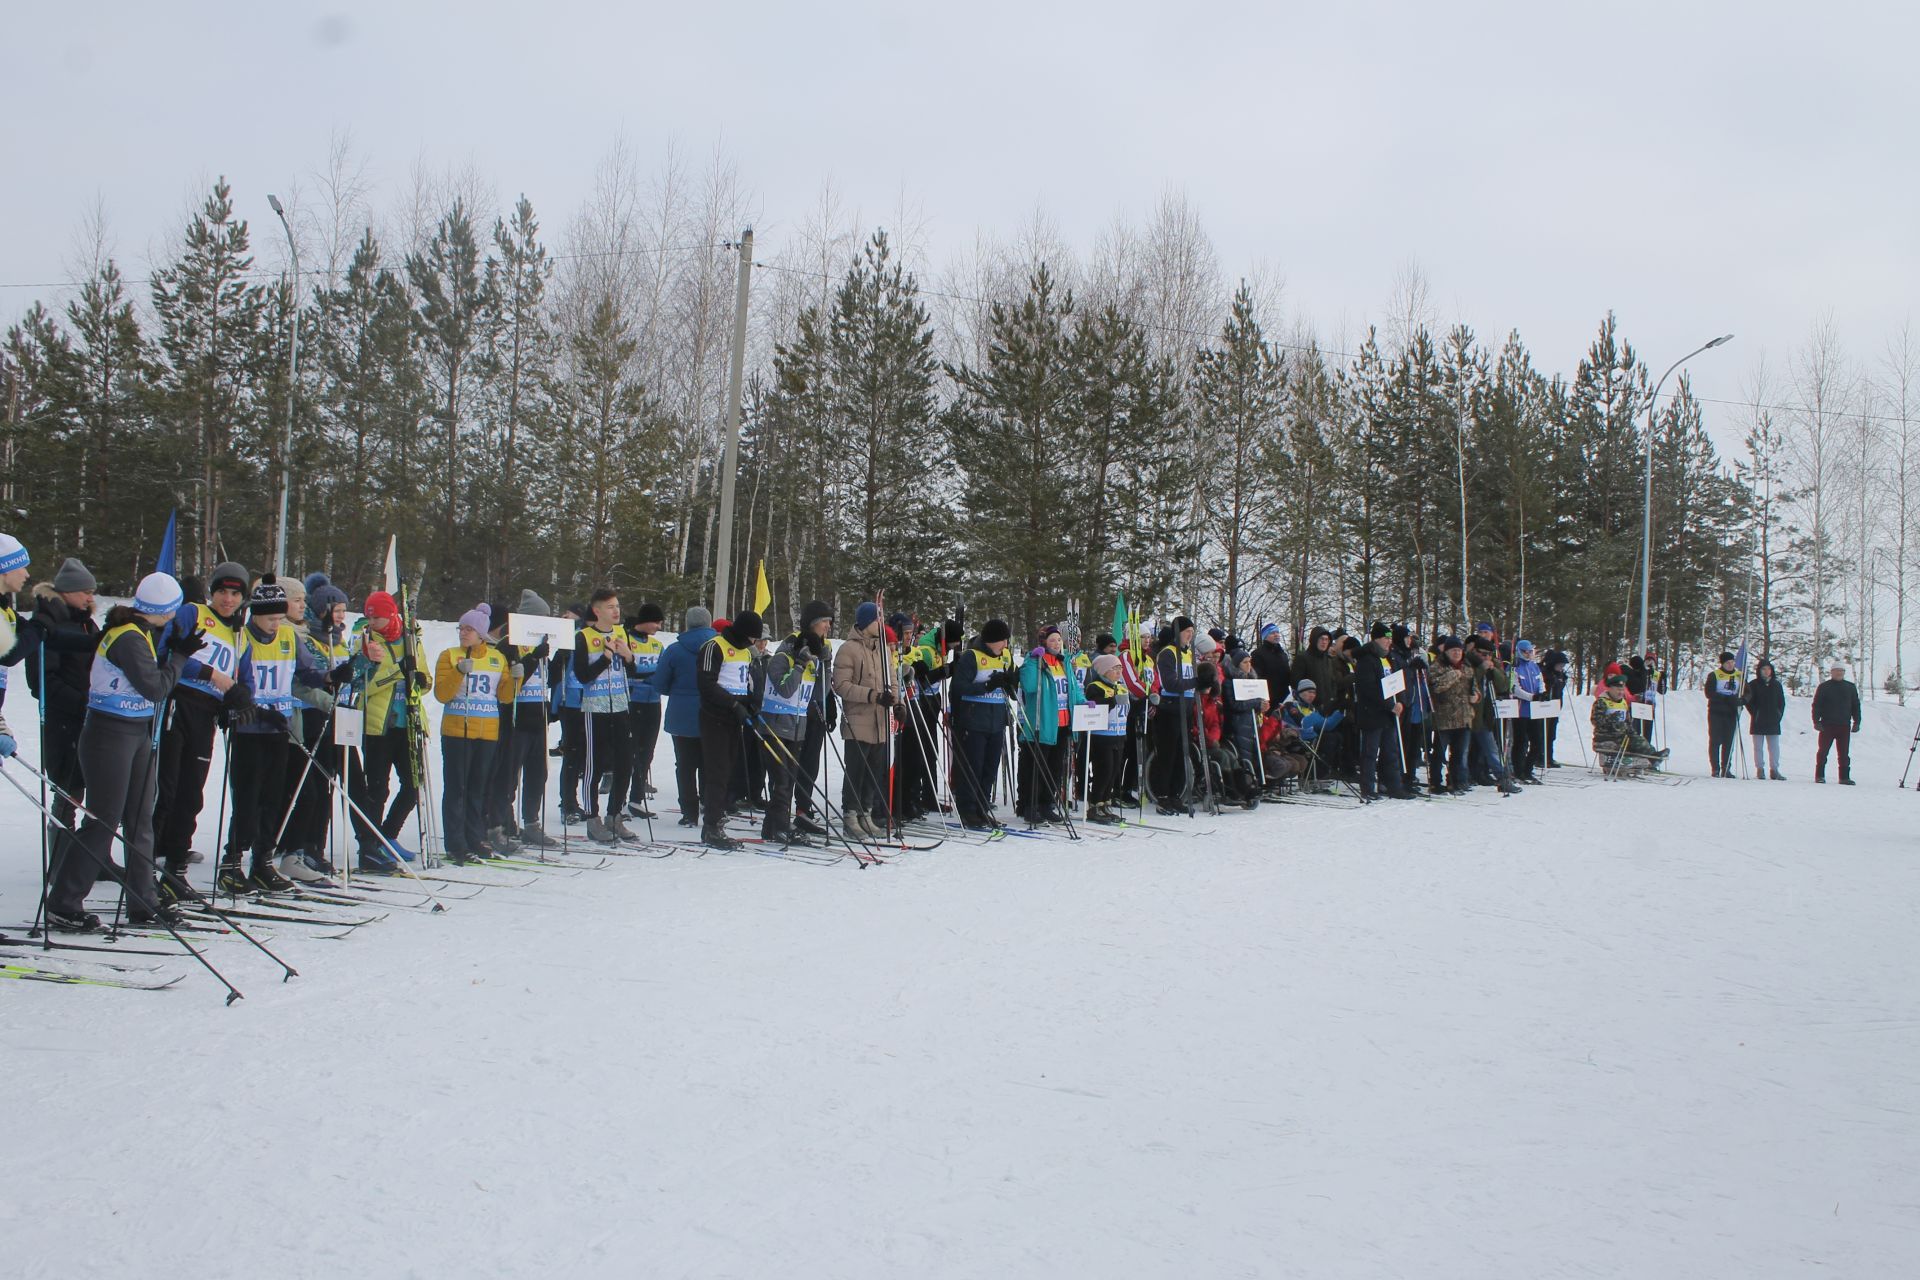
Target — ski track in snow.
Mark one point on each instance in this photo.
(1597, 1030)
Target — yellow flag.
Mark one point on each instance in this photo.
(761, 596)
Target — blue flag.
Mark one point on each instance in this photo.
(167, 553)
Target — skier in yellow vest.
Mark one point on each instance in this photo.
(723, 674)
(473, 682)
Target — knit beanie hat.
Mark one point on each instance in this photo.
(383, 614)
(295, 588)
(1379, 631)
(73, 576)
(480, 618)
(228, 574)
(1105, 665)
(995, 630)
(531, 603)
(1205, 644)
(1181, 623)
(649, 612)
(497, 612)
(157, 594)
(1305, 686)
(899, 623)
(316, 580)
(1270, 629)
(812, 612)
(746, 625)
(865, 615)
(12, 554)
(269, 597)
(321, 599)
(698, 616)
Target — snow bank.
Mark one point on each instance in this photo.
(1596, 1030)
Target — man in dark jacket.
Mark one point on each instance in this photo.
(1376, 711)
(1271, 664)
(724, 677)
(823, 716)
(59, 675)
(982, 676)
(1553, 668)
(1766, 707)
(1724, 689)
(1836, 714)
(674, 678)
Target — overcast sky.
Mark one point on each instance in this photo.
(1698, 168)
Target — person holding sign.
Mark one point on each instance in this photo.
(473, 682)
(1107, 747)
(1376, 712)
(1529, 734)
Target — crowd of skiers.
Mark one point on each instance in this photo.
(921, 717)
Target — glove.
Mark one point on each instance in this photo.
(832, 716)
(270, 718)
(464, 666)
(191, 643)
(923, 671)
(741, 713)
(237, 696)
(7, 746)
(816, 644)
(340, 675)
(420, 681)
(543, 651)
(885, 698)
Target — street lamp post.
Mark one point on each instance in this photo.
(1646, 520)
(293, 386)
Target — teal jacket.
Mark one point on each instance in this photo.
(1039, 700)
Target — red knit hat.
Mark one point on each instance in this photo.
(384, 614)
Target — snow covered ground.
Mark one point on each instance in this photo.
(1596, 1030)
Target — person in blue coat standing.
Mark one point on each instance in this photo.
(1529, 733)
(674, 681)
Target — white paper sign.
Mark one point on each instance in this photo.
(1543, 711)
(1250, 690)
(1641, 710)
(1393, 682)
(1087, 717)
(1506, 708)
(528, 629)
(349, 727)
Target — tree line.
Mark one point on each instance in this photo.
(1027, 435)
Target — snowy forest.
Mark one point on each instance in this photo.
(1028, 428)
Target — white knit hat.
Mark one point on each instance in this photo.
(12, 554)
(159, 593)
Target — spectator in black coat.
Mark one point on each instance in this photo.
(1270, 663)
(1836, 714)
(1375, 712)
(1766, 702)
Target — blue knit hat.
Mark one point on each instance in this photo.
(866, 615)
(158, 593)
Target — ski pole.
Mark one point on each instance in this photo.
(398, 857)
(233, 992)
(1915, 745)
(779, 749)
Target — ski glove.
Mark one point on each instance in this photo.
(188, 645)
(464, 666)
(421, 682)
(742, 713)
(340, 675)
(885, 698)
(270, 718)
(7, 746)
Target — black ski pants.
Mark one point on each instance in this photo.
(186, 756)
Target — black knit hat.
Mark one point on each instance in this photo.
(995, 630)
(1182, 623)
(649, 612)
(746, 625)
(268, 597)
(1379, 631)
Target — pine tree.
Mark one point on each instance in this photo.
(1239, 394)
(1013, 438)
(454, 288)
(521, 361)
(211, 402)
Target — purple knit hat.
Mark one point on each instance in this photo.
(480, 618)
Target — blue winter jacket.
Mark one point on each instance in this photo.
(674, 678)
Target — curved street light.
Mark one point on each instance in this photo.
(1646, 520)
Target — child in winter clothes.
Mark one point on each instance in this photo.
(474, 681)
